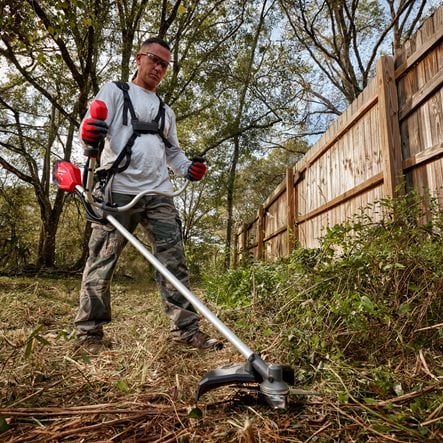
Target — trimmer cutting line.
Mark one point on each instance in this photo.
(273, 380)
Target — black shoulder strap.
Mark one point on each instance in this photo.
(160, 117)
(125, 153)
(127, 104)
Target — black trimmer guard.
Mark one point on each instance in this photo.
(274, 386)
(235, 374)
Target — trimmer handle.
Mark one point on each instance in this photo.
(98, 110)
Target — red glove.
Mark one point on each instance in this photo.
(197, 169)
(94, 130)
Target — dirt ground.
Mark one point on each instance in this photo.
(143, 388)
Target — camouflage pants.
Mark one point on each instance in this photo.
(160, 219)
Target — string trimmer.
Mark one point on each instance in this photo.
(271, 380)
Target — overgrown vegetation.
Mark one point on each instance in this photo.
(361, 315)
(359, 319)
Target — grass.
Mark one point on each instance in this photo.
(143, 388)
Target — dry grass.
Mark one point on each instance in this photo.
(142, 390)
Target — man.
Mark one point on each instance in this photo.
(151, 154)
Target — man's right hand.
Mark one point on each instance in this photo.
(94, 130)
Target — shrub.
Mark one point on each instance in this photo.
(364, 295)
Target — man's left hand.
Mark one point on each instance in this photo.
(197, 169)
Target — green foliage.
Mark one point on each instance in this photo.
(195, 413)
(244, 286)
(357, 317)
(4, 426)
(32, 339)
(364, 296)
(70, 234)
(19, 227)
(260, 175)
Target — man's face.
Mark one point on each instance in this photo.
(152, 63)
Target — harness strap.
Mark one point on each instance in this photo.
(157, 126)
(127, 104)
(121, 163)
(160, 117)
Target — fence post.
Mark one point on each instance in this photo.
(243, 241)
(236, 247)
(390, 141)
(261, 233)
(290, 208)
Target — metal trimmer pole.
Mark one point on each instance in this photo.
(90, 178)
(212, 318)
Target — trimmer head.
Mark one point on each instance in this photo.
(273, 386)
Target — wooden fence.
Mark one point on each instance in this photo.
(391, 135)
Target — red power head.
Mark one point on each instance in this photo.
(66, 175)
(98, 110)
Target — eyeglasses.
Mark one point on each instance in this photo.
(156, 59)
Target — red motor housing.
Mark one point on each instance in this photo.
(66, 175)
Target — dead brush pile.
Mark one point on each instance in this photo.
(359, 319)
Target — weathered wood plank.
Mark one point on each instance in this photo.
(389, 126)
(368, 184)
(423, 157)
(423, 94)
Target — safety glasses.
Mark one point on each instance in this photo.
(156, 60)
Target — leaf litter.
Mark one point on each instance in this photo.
(143, 388)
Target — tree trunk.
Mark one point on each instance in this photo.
(230, 201)
(46, 254)
(238, 121)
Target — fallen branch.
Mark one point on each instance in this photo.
(401, 398)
